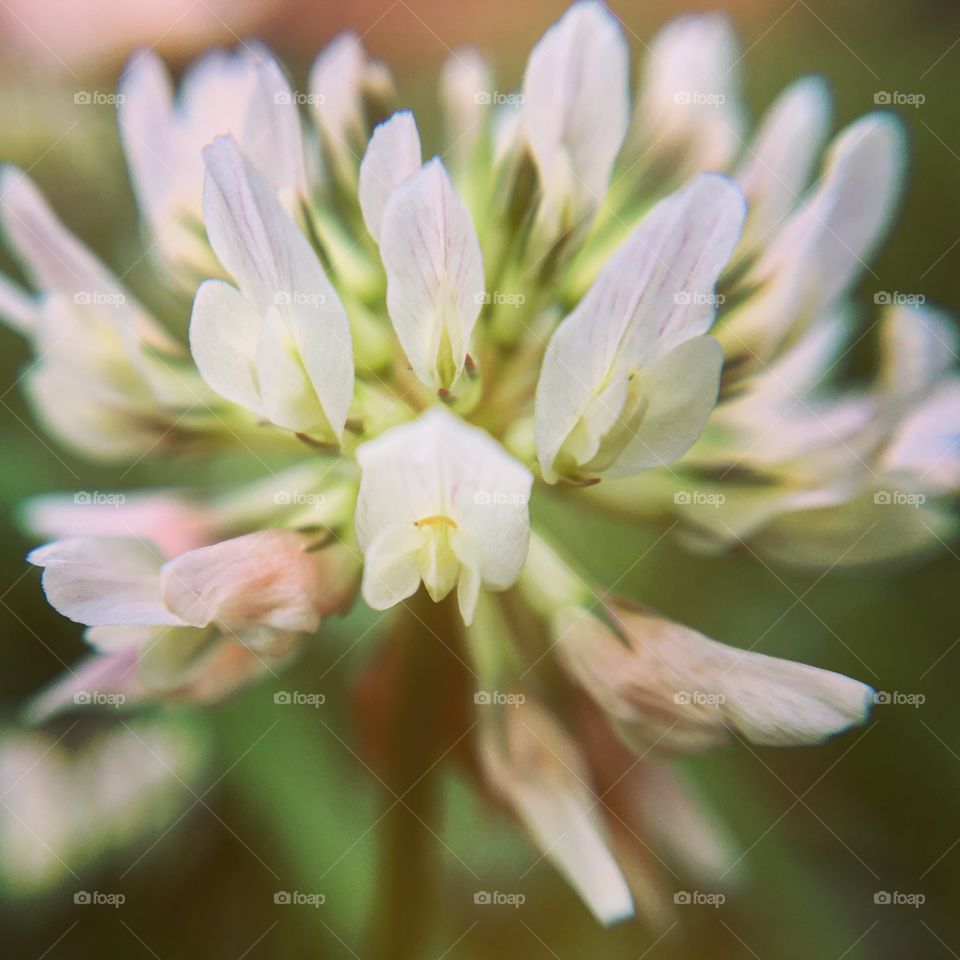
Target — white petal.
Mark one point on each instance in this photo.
(271, 135)
(779, 164)
(336, 83)
(390, 572)
(277, 269)
(447, 494)
(266, 578)
(655, 294)
(689, 111)
(17, 309)
(576, 107)
(466, 88)
(224, 329)
(680, 392)
(664, 683)
(53, 259)
(826, 243)
(103, 580)
(393, 154)
(434, 271)
(534, 766)
(151, 140)
(918, 349)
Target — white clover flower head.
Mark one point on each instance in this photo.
(632, 310)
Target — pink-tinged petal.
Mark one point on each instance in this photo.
(104, 580)
(270, 578)
(532, 764)
(96, 679)
(172, 523)
(664, 684)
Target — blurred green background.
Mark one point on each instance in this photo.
(285, 803)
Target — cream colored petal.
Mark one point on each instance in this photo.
(576, 109)
(434, 268)
(393, 154)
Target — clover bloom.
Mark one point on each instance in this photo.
(430, 343)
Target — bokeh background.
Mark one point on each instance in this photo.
(272, 798)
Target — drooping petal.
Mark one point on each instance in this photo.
(656, 294)
(393, 154)
(104, 580)
(105, 674)
(576, 109)
(268, 578)
(278, 272)
(779, 163)
(689, 110)
(664, 683)
(434, 268)
(448, 496)
(173, 523)
(537, 770)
